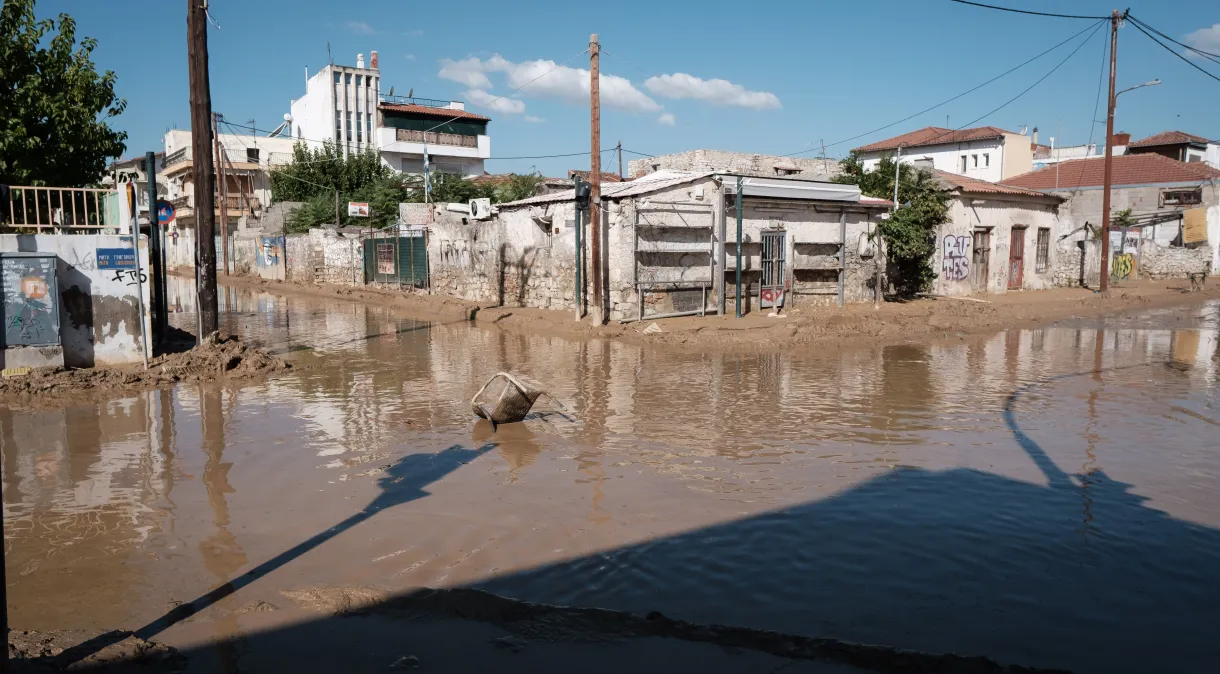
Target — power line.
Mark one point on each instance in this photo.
(1171, 50)
(946, 102)
(642, 154)
(1210, 56)
(1026, 11)
(554, 156)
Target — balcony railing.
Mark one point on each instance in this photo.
(59, 209)
(433, 138)
(185, 205)
(411, 100)
(242, 156)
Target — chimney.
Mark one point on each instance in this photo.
(1035, 136)
(359, 60)
(373, 59)
(1122, 139)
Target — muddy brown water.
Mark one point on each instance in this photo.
(1047, 497)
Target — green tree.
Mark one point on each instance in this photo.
(910, 233)
(54, 106)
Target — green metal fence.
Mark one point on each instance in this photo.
(396, 260)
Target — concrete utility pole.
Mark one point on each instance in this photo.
(619, 147)
(221, 177)
(595, 181)
(205, 183)
(1105, 194)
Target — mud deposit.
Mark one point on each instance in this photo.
(1040, 497)
(224, 359)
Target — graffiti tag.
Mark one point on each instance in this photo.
(129, 276)
(1123, 265)
(956, 264)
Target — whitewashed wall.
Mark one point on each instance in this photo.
(954, 256)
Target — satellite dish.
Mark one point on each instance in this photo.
(411, 93)
(391, 91)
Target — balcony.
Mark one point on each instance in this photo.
(405, 141)
(246, 159)
(412, 100)
(237, 205)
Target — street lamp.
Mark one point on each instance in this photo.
(1151, 83)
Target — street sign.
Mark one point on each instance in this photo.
(165, 212)
(358, 209)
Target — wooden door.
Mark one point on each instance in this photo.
(980, 266)
(1016, 258)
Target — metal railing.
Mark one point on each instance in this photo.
(178, 156)
(234, 156)
(412, 100)
(434, 138)
(58, 208)
(185, 205)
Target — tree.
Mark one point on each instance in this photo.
(910, 232)
(54, 107)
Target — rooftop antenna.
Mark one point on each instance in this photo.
(328, 56)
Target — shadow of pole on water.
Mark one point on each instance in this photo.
(403, 482)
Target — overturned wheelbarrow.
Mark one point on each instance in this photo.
(507, 398)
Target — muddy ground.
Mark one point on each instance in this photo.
(223, 359)
(800, 325)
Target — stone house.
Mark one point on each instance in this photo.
(1174, 220)
(997, 238)
(737, 163)
(669, 246)
(1179, 145)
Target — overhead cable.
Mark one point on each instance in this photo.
(1026, 11)
(1173, 51)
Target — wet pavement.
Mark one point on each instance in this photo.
(1046, 497)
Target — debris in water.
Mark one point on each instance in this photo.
(652, 329)
(406, 662)
(507, 398)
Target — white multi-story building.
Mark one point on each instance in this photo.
(344, 105)
(984, 153)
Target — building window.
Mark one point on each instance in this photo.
(1044, 250)
(1182, 197)
(975, 159)
(252, 155)
(349, 126)
(359, 128)
(338, 78)
(338, 126)
(986, 159)
(358, 79)
(347, 79)
(368, 125)
(963, 163)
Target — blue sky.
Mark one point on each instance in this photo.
(795, 74)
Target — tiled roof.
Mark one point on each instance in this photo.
(1129, 169)
(934, 135)
(976, 186)
(1169, 138)
(607, 176)
(440, 113)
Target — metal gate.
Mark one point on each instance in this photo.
(1016, 258)
(980, 266)
(771, 287)
(398, 260)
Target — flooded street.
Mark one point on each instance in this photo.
(1043, 497)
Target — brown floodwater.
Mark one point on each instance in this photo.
(1047, 497)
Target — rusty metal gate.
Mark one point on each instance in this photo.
(773, 282)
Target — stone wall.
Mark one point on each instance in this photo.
(1161, 262)
(735, 162)
(464, 259)
(954, 260)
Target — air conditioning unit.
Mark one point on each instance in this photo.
(480, 209)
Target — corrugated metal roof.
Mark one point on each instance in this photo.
(652, 182)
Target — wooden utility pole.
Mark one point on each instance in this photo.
(595, 181)
(222, 180)
(205, 182)
(619, 147)
(1105, 194)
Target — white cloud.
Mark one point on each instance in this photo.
(545, 78)
(360, 28)
(1206, 39)
(533, 119)
(410, 57)
(715, 92)
(666, 118)
(414, 32)
(505, 106)
(467, 71)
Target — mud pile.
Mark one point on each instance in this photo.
(52, 651)
(210, 361)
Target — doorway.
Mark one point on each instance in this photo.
(980, 265)
(771, 288)
(1016, 258)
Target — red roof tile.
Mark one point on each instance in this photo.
(977, 186)
(441, 113)
(934, 135)
(1129, 169)
(1169, 138)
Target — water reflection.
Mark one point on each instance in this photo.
(169, 493)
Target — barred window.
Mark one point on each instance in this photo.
(1044, 250)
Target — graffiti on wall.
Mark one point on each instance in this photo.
(1122, 265)
(956, 263)
(461, 253)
